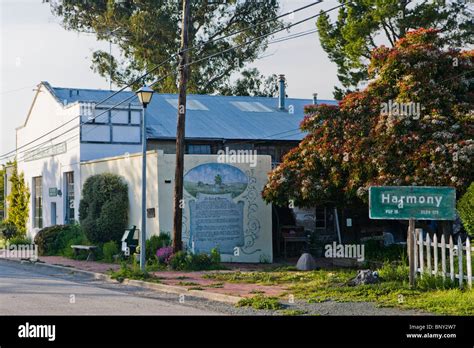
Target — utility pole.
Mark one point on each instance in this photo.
(178, 204)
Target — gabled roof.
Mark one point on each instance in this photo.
(209, 116)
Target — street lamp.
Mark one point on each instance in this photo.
(144, 95)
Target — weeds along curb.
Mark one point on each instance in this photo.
(170, 289)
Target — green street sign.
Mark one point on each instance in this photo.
(53, 192)
(412, 202)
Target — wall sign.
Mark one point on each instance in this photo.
(53, 192)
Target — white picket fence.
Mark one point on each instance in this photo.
(427, 257)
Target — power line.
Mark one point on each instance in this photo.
(193, 62)
(166, 61)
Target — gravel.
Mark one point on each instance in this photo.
(322, 308)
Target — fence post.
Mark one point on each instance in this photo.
(468, 263)
(461, 276)
(428, 253)
(411, 253)
(415, 251)
(443, 256)
(420, 231)
(435, 254)
(451, 257)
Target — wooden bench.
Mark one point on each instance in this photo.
(89, 248)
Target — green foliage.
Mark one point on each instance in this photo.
(215, 256)
(2, 192)
(109, 249)
(260, 302)
(57, 240)
(155, 243)
(183, 261)
(8, 229)
(148, 32)
(393, 272)
(432, 282)
(376, 252)
(465, 209)
(103, 209)
(360, 143)
(349, 40)
(19, 241)
(253, 84)
(131, 272)
(18, 201)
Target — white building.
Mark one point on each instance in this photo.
(78, 131)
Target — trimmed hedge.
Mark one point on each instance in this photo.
(103, 210)
(57, 240)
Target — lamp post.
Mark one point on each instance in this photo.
(144, 95)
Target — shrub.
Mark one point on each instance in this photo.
(109, 250)
(215, 256)
(19, 240)
(465, 209)
(103, 209)
(57, 240)
(182, 261)
(164, 254)
(393, 272)
(8, 229)
(155, 243)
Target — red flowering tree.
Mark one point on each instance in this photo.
(412, 125)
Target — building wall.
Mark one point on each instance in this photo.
(130, 169)
(52, 159)
(255, 215)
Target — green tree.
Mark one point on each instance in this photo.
(359, 144)
(362, 25)
(218, 179)
(465, 209)
(253, 84)
(103, 209)
(147, 32)
(18, 201)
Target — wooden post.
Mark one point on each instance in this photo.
(451, 257)
(435, 254)
(415, 251)
(468, 263)
(178, 203)
(411, 253)
(461, 276)
(443, 256)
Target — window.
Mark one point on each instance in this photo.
(321, 217)
(199, 149)
(69, 197)
(38, 202)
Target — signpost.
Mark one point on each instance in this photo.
(412, 203)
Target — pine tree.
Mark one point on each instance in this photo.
(18, 201)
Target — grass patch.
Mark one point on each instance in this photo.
(432, 294)
(187, 284)
(132, 272)
(260, 302)
(215, 285)
(292, 312)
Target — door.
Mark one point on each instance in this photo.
(53, 213)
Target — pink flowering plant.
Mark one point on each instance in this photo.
(365, 141)
(164, 254)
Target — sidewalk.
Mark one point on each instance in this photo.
(185, 280)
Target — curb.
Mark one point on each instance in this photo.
(170, 289)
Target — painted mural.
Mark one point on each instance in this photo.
(216, 216)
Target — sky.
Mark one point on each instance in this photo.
(34, 47)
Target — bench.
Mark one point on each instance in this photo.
(89, 248)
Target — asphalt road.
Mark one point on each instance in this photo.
(27, 292)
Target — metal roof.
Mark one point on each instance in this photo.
(212, 117)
